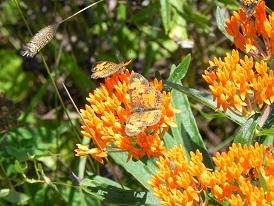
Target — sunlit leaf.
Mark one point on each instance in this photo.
(165, 13)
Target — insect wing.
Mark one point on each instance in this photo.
(104, 69)
(151, 99)
(136, 87)
(137, 122)
(103, 65)
(137, 82)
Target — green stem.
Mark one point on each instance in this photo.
(49, 74)
(78, 12)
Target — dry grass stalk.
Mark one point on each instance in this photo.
(43, 37)
(39, 40)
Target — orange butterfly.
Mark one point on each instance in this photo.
(146, 102)
(105, 69)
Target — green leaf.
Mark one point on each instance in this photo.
(14, 82)
(231, 4)
(269, 131)
(16, 197)
(169, 141)
(197, 18)
(136, 168)
(221, 16)
(262, 181)
(129, 197)
(270, 119)
(181, 70)
(246, 133)
(165, 13)
(19, 168)
(187, 133)
(112, 192)
(206, 99)
(4, 192)
(99, 181)
(178, 25)
(122, 12)
(142, 15)
(23, 142)
(76, 196)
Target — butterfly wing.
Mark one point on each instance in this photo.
(137, 82)
(151, 99)
(137, 122)
(147, 100)
(136, 87)
(106, 68)
(103, 65)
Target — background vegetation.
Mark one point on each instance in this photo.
(37, 162)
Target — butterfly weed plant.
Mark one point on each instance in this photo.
(135, 138)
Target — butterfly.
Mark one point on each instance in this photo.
(106, 68)
(249, 6)
(146, 102)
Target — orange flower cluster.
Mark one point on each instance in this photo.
(176, 181)
(241, 84)
(253, 34)
(244, 176)
(106, 115)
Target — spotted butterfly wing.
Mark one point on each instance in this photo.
(138, 121)
(106, 68)
(146, 102)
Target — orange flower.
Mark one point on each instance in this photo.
(97, 154)
(242, 169)
(253, 35)
(106, 115)
(175, 183)
(240, 84)
(243, 176)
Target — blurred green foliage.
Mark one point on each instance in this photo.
(37, 163)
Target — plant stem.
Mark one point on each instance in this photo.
(49, 74)
(73, 15)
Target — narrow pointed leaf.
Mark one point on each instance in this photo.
(136, 168)
(247, 132)
(221, 16)
(206, 99)
(165, 13)
(181, 70)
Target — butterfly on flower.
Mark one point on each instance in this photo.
(146, 102)
(249, 6)
(106, 68)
